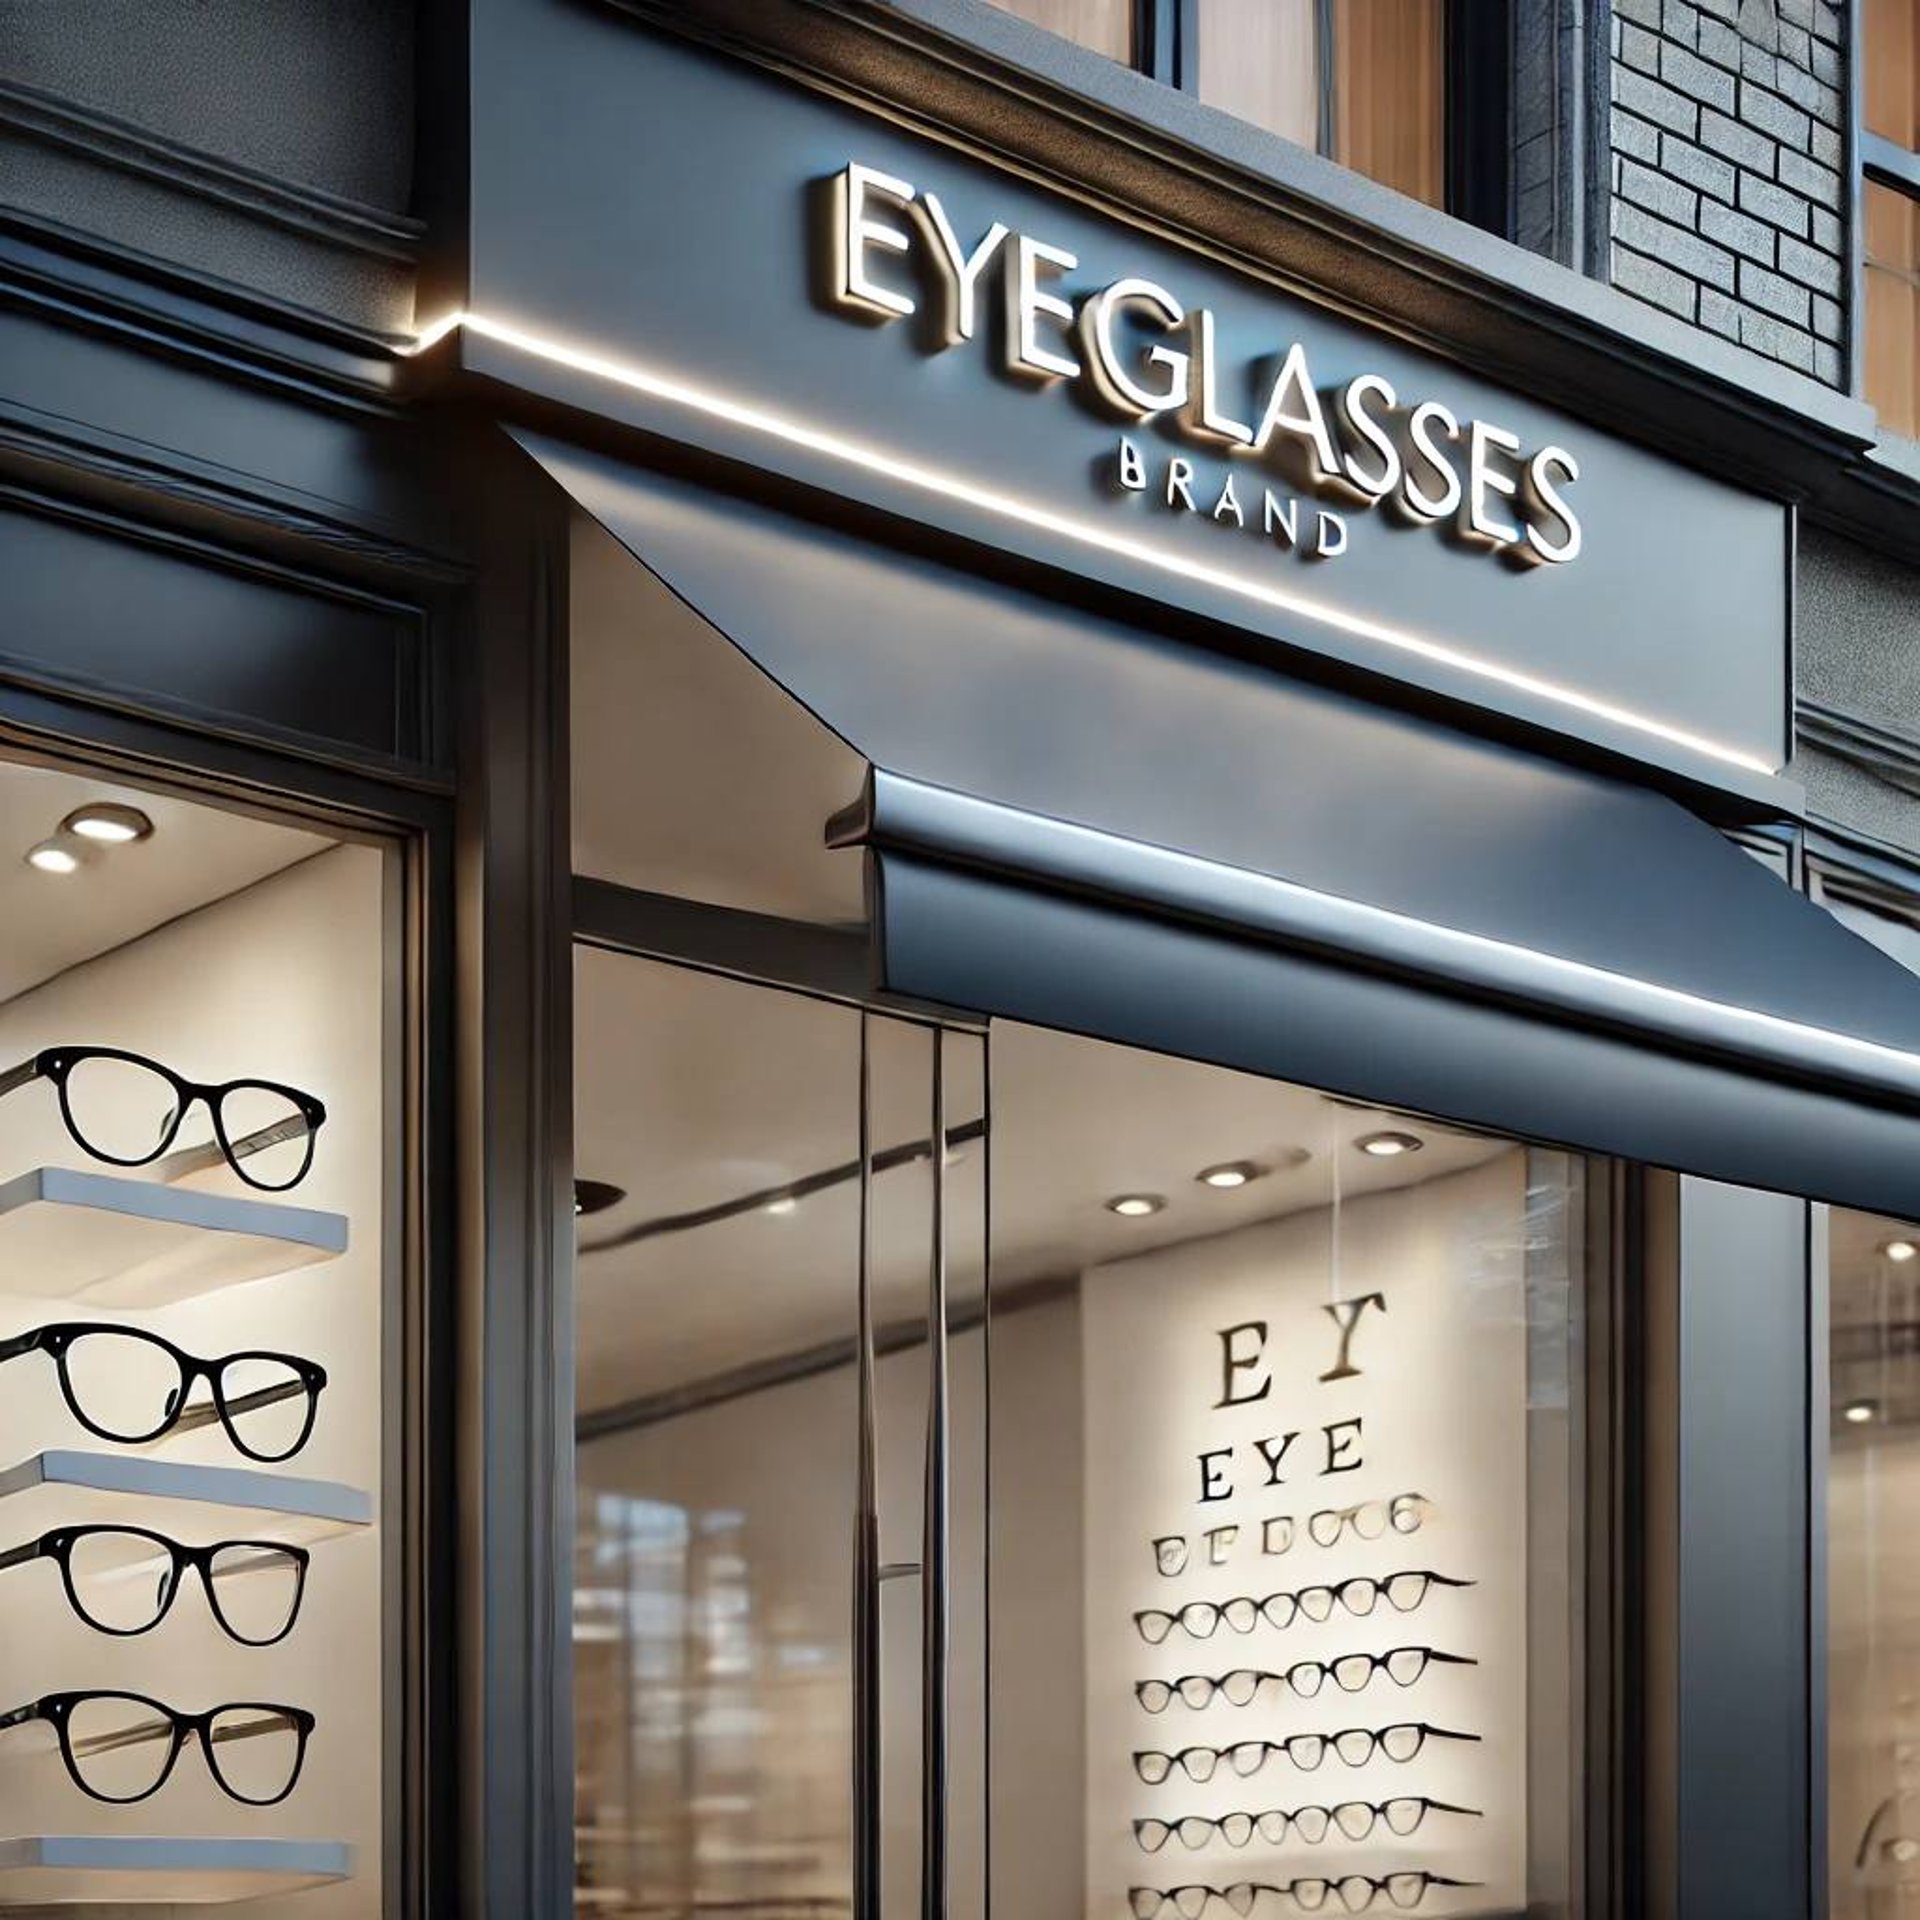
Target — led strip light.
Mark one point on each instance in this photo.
(943, 485)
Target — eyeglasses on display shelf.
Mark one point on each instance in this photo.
(131, 1386)
(1350, 1673)
(1352, 1746)
(1370, 1519)
(121, 1747)
(1199, 1619)
(123, 1580)
(127, 1110)
(1354, 1892)
(1349, 1819)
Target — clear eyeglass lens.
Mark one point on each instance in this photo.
(121, 1110)
(1407, 1664)
(1355, 1818)
(1199, 1763)
(1240, 1686)
(1358, 1596)
(1402, 1742)
(1236, 1829)
(1192, 1901)
(122, 1582)
(1309, 1895)
(1404, 1815)
(267, 1402)
(256, 1589)
(120, 1745)
(1369, 1521)
(1354, 1745)
(1305, 1678)
(254, 1751)
(1151, 1834)
(125, 1386)
(1240, 1896)
(1241, 1615)
(1248, 1757)
(1278, 1609)
(1407, 1512)
(1324, 1528)
(1170, 1554)
(1316, 1602)
(267, 1135)
(1154, 1627)
(1146, 1902)
(1200, 1619)
(1405, 1889)
(1154, 1695)
(1356, 1892)
(1310, 1823)
(1406, 1590)
(1196, 1690)
(1307, 1750)
(1152, 1767)
(1353, 1671)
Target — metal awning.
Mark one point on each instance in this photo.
(1073, 820)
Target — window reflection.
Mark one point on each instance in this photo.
(1891, 281)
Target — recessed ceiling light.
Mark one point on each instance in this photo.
(785, 1205)
(107, 822)
(51, 857)
(1858, 1412)
(595, 1196)
(1229, 1174)
(1136, 1206)
(1899, 1249)
(1388, 1146)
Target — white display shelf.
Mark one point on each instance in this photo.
(114, 1242)
(68, 1869)
(70, 1488)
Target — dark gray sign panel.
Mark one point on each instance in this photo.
(706, 250)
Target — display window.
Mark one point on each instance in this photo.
(195, 1061)
(1872, 1577)
(1110, 1483)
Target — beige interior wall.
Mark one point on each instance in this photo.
(284, 980)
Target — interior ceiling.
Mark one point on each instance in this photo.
(196, 854)
(693, 1091)
(693, 773)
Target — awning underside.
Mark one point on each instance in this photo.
(1079, 822)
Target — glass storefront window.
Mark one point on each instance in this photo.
(197, 1074)
(1892, 285)
(1873, 1583)
(1261, 1572)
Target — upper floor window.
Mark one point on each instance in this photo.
(1890, 208)
(1362, 81)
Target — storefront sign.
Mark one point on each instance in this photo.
(1137, 352)
(963, 358)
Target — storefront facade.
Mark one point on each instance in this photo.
(1054, 1008)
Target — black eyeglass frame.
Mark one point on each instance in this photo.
(57, 1339)
(57, 1709)
(1289, 1818)
(59, 1544)
(57, 1064)
(1336, 1593)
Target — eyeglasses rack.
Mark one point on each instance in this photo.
(125, 1246)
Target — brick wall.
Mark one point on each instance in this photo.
(1729, 193)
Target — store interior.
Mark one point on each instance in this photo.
(1110, 1216)
(192, 1443)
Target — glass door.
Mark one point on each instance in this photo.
(780, 1368)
